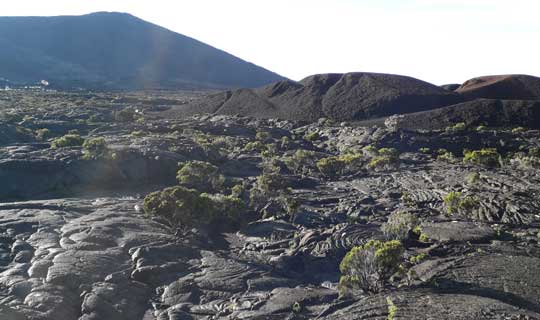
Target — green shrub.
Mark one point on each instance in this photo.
(370, 150)
(263, 136)
(237, 190)
(11, 117)
(486, 157)
(468, 203)
(297, 307)
(301, 162)
(267, 185)
(392, 309)
(534, 152)
(312, 136)
(423, 237)
(138, 133)
(385, 157)
(425, 150)
(473, 178)
(95, 148)
(481, 128)
(460, 126)
(455, 201)
(254, 146)
(338, 165)
(200, 175)
(126, 115)
(331, 166)
(68, 140)
(451, 201)
(285, 143)
(290, 204)
(270, 184)
(187, 208)
(447, 156)
(399, 225)
(418, 258)
(527, 162)
(518, 130)
(43, 134)
(368, 267)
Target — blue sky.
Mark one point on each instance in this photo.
(440, 41)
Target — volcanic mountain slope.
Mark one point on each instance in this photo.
(337, 96)
(361, 96)
(116, 50)
(480, 112)
(510, 87)
(98, 222)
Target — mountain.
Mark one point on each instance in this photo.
(116, 51)
(492, 112)
(511, 86)
(350, 96)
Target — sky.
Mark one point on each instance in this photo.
(439, 41)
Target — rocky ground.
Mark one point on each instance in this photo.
(76, 243)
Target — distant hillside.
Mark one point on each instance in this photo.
(510, 86)
(350, 96)
(116, 51)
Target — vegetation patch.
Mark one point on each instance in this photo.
(187, 208)
(334, 166)
(95, 148)
(369, 267)
(455, 201)
(486, 157)
(392, 309)
(458, 127)
(200, 175)
(385, 158)
(399, 225)
(43, 134)
(68, 140)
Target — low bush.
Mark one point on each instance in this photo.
(43, 134)
(368, 267)
(200, 175)
(312, 136)
(301, 162)
(418, 258)
(460, 126)
(95, 148)
(451, 201)
(255, 146)
(446, 156)
(518, 130)
(399, 225)
(338, 165)
(331, 166)
(481, 128)
(68, 140)
(384, 158)
(473, 178)
(485, 157)
(455, 201)
(188, 208)
(138, 133)
(126, 115)
(263, 136)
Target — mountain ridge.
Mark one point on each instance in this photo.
(117, 51)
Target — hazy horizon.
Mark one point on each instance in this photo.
(437, 41)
